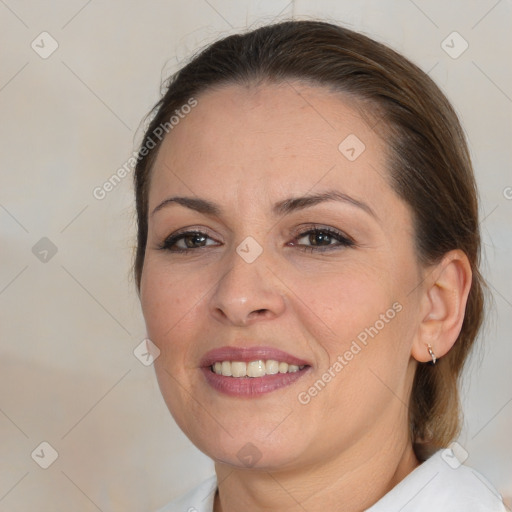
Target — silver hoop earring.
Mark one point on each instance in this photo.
(432, 355)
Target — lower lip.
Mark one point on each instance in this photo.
(251, 386)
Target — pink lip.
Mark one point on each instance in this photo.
(246, 354)
(250, 386)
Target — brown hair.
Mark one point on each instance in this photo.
(429, 164)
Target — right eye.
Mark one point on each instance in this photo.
(185, 242)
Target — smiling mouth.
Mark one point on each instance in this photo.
(253, 369)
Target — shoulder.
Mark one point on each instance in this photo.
(440, 484)
(199, 499)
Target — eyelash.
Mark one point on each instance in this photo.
(344, 240)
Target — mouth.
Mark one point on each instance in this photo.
(251, 371)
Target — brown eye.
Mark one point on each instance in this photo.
(195, 238)
(184, 242)
(321, 239)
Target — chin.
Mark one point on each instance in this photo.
(249, 447)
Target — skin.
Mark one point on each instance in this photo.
(245, 149)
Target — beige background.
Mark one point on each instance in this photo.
(69, 325)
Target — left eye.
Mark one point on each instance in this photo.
(322, 237)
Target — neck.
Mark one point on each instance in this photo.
(352, 482)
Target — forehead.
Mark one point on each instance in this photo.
(284, 139)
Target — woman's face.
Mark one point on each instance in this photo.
(257, 287)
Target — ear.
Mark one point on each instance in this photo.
(443, 305)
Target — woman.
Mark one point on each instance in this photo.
(307, 264)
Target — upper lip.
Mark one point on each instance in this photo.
(247, 354)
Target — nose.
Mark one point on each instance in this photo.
(247, 293)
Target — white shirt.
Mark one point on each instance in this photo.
(440, 484)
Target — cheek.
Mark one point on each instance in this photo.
(342, 303)
(170, 305)
(361, 320)
(355, 316)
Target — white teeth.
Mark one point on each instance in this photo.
(257, 368)
(238, 369)
(271, 367)
(283, 367)
(226, 369)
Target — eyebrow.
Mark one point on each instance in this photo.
(283, 207)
